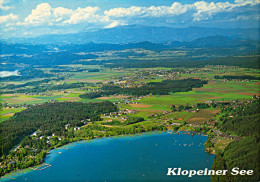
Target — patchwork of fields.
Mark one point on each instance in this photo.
(217, 90)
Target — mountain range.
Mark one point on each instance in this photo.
(204, 42)
(138, 33)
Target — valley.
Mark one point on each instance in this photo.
(134, 90)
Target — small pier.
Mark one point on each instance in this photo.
(42, 167)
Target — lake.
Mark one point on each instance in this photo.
(145, 157)
(9, 73)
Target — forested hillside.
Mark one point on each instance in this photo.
(49, 118)
(244, 153)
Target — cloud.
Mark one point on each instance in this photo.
(8, 18)
(246, 2)
(206, 10)
(44, 14)
(115, 24)
(40, 15)
(152, 11)
(247, 18)
(2, 7)
(59, 19)
(87, 14)
(174, 10)
(200, 10)
(61, 12)
(122, 12)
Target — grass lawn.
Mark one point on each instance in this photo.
(6, 113)
(175, 99)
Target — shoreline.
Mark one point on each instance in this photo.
(32, 168)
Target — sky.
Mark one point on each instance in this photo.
(29, 18)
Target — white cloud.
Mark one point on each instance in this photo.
(3, 7)
(175, 9)
(115, 24)
(8, 18)
(199, 10)
(60, 12)
(153, 11)
(44, 14)
(122, 12)
(206, 10)
(83, 14)
(246, 2)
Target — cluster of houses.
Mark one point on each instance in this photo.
(120, 113)
(76, 128)
(36, 133)
(67, 126)
(173, 124)
(138, 78)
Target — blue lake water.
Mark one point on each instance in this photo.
(8, 73)
(144, 157)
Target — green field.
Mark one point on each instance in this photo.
(6, 113)
(215, 91)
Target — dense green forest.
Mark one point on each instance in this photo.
(49, 118)
(243, 153)
(92, 95)
(244, 62)
(244, 120)
(133, 119)
(232, 77)
(155, 88)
